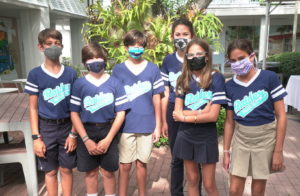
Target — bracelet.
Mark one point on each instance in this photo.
(195, 119)
(85, 138)
(72, 135)
(228, 151)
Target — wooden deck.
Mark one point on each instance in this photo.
(281, 184)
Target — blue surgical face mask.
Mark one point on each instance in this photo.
(135, 52)
(96, 66)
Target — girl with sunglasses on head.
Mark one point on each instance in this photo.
(200, 94)
(255, 100)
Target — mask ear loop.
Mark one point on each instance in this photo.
(255, 59)
(255, 63)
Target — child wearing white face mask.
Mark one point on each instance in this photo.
(255, 98)
(98, 105)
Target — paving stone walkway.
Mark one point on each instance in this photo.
(280, 184)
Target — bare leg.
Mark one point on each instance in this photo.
(66, 181)
(258, 187)
(51, 182)
(109, 182)
(209, 181)
(124, 178)
(192, 175)
(141, 177)
(91, 181)
(237, 185)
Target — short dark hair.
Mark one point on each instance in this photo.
(47, 33)
(185, 22)
(242, 44)
(135, 37)
(93, 50)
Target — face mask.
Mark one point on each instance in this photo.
(181, 43)
(242, 67)
(196, 63)
(53, 52)
(135, 53)
(96, 66)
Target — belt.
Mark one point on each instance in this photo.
(98, 124)
(56, 121)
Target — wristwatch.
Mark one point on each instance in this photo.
(36, 136)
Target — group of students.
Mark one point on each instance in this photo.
(111, 121)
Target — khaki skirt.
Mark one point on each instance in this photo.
(252, 150)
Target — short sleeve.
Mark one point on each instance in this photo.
(218, 88)
(74, 76)
(180, 94)
(75, 100)
(229, 105)
(32, 85)
(114, 72)
(277, 91)
(122, 102)
(165, 73)
(158, 83)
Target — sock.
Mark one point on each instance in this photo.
(93, 194)
(111, 195)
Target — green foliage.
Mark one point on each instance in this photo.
(77, 68)
(289, 62)
(162, 142)
(66, 61)
(108, 26)
(221, 121)
(173, 7)
(207, 26)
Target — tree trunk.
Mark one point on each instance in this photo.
(202, 4)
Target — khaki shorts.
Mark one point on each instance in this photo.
(135, 146)
(252, 150)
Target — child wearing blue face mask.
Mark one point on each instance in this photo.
(98, 105)
(54, 139)
(255, 121)
(143, 85)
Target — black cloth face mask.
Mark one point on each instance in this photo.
(181, 43)
(196, 63)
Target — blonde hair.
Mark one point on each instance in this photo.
(183, 82)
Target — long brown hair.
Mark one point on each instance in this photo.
(183, 82)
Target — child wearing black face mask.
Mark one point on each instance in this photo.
(200, 93)
(98, 105)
